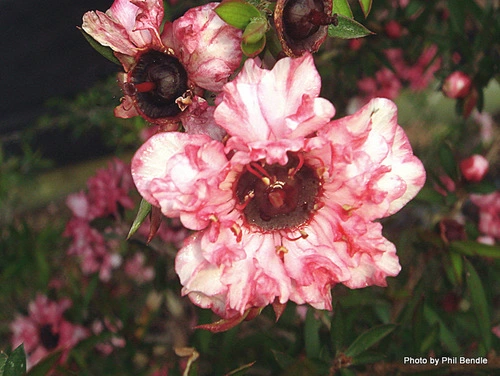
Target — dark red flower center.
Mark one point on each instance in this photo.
(157, 81)
(302, 18)
(276, 197)
(49, 339)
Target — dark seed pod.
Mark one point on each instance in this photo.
(157, 81)
(302, 25)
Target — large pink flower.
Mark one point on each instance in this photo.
(165, 69)
(285, 207)
(46, 330)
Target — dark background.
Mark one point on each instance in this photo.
(44, 55)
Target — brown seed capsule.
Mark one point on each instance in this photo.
(302, 25)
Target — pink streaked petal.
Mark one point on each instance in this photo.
(262, 100)
(207, 46)
(150, 161)
(126, 109)
(108, 32)
(199, 119)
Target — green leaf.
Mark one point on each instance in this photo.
(347, 29)
(367, 357)
(3, 360)
(479, 303)
(337, 329)
(16, 362)
(237, 13)
(341, 7)
(446, 336)
(255, 30)
(457, 264)
(447, 160)
(142, 213)
(103, 50)
(429, 341)
(253, 49)
(473, 248)
(366, 6)
(368, 339)
(311, 335)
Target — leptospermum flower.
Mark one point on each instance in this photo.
(165, 70)
(45, 330)
(284, 208)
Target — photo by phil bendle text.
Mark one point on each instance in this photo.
(445, 360)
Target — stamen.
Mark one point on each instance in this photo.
(246, 201)
(236, 229)
(293, 171)
(302, 235)
(281, 249)
(144, 87)
(260, 172)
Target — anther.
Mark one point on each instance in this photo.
(293, 171)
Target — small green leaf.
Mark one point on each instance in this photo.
(366, 6)
(142, 213)
(16, 362)
(255, 30)
(479, 303)
(368, 339)
(103, 50)
(473, 248)
(447, 337)
(253, 49)
(341, 7)
(429, 341)
(311, 335)
(347, 29)
(3, 360)
(43, 367)
(447, 160)
(457, 263)
(237, 13)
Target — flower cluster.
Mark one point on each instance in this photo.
(283, 199)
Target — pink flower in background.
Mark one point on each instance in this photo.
(474, 168)
(489, 213)
(166, 70)
(45, 330)
(135, 268)
(385, 84)
(285, 207)
(457, 85)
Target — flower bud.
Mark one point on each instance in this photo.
(393, 29)
(474, 168)
(457, 85)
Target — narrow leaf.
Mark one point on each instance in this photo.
(43, 367)
(3, 360)
(479, 303)
(366, 6)
(448, 162)
(446, 336)
(367, 358)
(144, 210)
(237, 13)
(16, 362)
(473, 248)
(347, 29)
(341, 7)
(337, 329)
(311, 335)
(368, 339)
(103, 50)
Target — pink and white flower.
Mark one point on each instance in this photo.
(165, 70)
(284, 208)
(45, 330)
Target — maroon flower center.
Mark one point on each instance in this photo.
(49, 339)
(276, 197)
(157, 81)
(302, 18)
